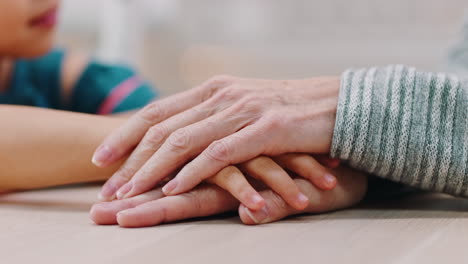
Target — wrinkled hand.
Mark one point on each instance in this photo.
(153, 208)
(224, 121)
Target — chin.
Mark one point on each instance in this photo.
(36, 51)
(33, 49)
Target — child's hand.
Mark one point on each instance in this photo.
(154, 208)
(272, 172)
(350, 189)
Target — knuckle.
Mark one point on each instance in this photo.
(244, 193)
(214, 84)
(203, 110)
(125, 173)
(164, 214)
(209, 122)
(152, 113)
(180, 139)
(251, 101)
(279, 99)
(227, 94)
(218, 150)
(156, 134)
(250, 106)
(220, 80)
(275, 122)
(230, 94)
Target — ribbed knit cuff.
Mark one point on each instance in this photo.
(404, 125)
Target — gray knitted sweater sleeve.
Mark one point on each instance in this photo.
(405, 125)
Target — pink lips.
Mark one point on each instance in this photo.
(46, 20)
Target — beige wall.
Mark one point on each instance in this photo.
(278, 39)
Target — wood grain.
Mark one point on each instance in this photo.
(52, 226)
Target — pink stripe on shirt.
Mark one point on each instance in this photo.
(118, 94)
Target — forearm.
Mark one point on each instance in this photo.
(41, 148)
(406, 126)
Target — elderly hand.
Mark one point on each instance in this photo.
(153, 208)
(224, 121)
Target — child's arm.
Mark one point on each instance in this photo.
(41, 148)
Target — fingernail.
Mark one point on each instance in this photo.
(302, 198)
(261, 216)
(107, 193)
(124, 190)
(249, 213)
(105, 198)
(169, 187)
(122, 213)
(102, 154)
(330, 179)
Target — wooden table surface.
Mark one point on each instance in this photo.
(52, 226)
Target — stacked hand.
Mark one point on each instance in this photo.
(200, 133)
(153, 207)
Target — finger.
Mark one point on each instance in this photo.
(111, 186)
(232, 180)
(150, 143)
(326, 161)
(124, 173)
(105, 213)
(204, 201)
(307, 167)
(269, 172)
(350, 190)
(121, 141)
(126, 137)
(236, 148)
(276, 207)
(182, 145)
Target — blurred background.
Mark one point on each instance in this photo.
(177, 44)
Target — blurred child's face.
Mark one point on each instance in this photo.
(27, 27)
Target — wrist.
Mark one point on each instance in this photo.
(318, 118)
(327, 88)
